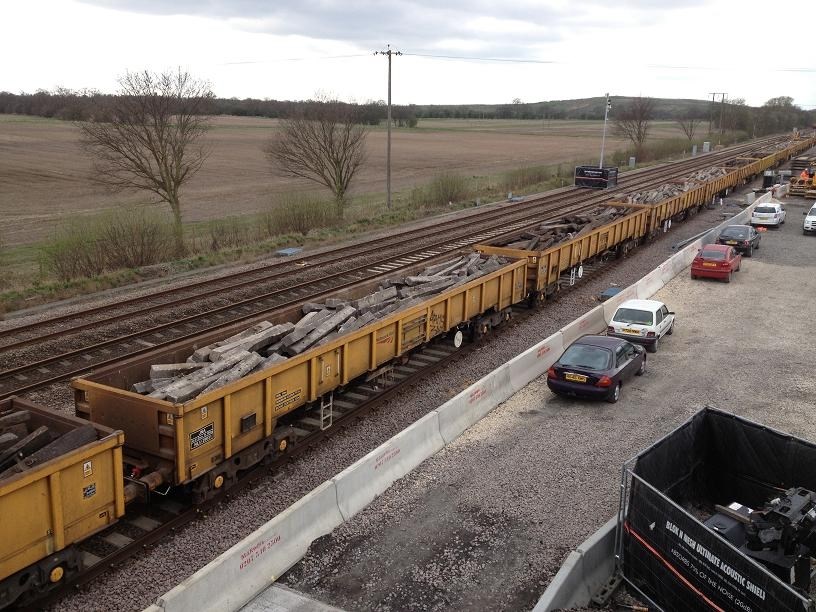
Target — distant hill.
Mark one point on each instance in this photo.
(583, 108)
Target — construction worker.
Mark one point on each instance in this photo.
(804, 175)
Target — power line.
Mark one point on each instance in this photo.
(294, 59)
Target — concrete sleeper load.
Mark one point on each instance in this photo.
(669, 190)
(264, 344)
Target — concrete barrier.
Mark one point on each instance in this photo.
(359, 484)
(240, 573)
(649, 284)
(583, 573)
(472, 404)
(534, 362)
(590, 323)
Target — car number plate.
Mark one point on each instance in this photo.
(730, 242)
(635, 332)
(709, 264)
(575, 377)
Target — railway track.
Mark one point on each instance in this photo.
(90, 344)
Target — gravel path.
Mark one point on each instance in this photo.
(485, 523)
(138, 582)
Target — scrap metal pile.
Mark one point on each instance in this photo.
(675, 188)
(551, 233)
(264, 344)
(23, 446)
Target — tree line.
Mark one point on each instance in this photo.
(78, 105)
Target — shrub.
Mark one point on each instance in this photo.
(300, 213)
(525, 177)
(231, 232)
(126, 237)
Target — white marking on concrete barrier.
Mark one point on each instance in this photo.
(240, 573)
(472, 404)
(534, 362)
(359, 484)
(590, 323)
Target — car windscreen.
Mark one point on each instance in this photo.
(713, 254)
(764, 209)
(734, 232)
(584, 356)
(631, 315)
(812, 212)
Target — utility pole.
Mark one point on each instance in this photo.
(606, 116)
(714, 94)
(389, 53)
(722, 107)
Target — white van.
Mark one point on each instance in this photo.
(810, 221)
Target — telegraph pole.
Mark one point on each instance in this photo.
(714, 95)
(603, 139)
(722, 107)
(389, 53)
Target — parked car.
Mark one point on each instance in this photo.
(768, 214)
(716, 261)
(643, 322)
(810, 221)
(743, 238)
(596, 367)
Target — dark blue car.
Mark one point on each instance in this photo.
(596, 367)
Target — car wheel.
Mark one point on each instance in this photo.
(739, 265)
(614, 394)
(652, 348)
(749, 252)
(693, 277)
(727, 279)
(671, 329)
(642, 369)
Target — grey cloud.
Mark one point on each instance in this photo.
(418, 26)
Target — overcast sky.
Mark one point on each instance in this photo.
(291, 49)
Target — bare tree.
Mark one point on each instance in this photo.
(324, 143)
(689, 125)
(634, 120)
(147, 136)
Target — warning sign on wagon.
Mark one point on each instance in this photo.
(201, 436)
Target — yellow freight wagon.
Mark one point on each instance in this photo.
(48, 507)
(545, 267)
(207, 440)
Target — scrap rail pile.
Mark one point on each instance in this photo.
(265, 344)
(568, 227)
(23, 446)
(675, 188)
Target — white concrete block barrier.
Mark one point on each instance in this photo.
(359, 484)
(472, 404)
(534, 362)
(650, 284)
(591, 322)
(239, 574)
(583, 573)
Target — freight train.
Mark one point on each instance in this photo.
(202, 445)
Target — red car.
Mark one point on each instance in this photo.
(716, 261)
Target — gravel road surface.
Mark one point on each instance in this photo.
(486, 523)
